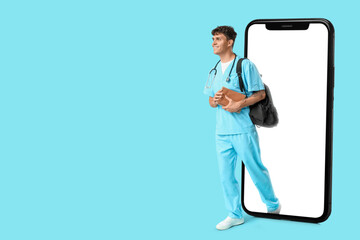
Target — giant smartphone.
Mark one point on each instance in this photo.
(295, 58)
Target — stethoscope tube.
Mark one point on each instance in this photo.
(227, 79)
(214, 69)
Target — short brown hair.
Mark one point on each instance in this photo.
(228, 31)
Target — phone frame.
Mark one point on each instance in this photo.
(301, 23)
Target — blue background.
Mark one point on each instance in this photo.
(105, 132)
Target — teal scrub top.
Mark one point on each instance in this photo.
(235, 123)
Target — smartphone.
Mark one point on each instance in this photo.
(295, 58)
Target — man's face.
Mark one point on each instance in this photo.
(220, 43)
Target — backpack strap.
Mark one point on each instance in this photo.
(238, 71)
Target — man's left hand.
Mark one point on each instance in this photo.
(232, 105)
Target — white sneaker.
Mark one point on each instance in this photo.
(229, 222)
(277, 211)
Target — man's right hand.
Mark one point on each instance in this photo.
(217, 96)
(214, 100)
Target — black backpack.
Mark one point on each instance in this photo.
(262, 113)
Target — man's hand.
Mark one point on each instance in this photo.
(217, 96)
(232, 105)
(213, 101)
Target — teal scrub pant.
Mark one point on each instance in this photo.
(246, 147)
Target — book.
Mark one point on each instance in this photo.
(235, 96)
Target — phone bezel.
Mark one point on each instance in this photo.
(300, 23)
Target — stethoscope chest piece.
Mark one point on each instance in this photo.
(215, 71)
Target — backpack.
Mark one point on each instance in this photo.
(262, 113)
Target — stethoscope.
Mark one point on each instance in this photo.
(215, 72)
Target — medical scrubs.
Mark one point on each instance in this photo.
(237, 138)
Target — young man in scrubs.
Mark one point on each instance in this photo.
(236, 135)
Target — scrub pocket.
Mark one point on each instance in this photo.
(233, 82)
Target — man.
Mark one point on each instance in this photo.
(236, 135)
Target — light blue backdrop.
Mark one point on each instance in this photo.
(105, 132)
